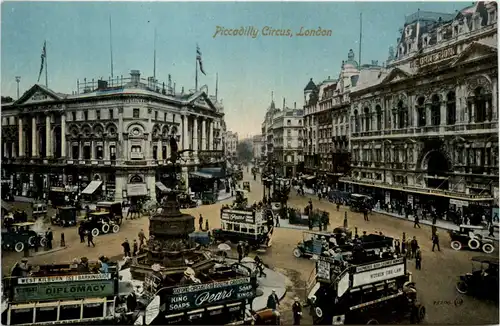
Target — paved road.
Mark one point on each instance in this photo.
(435, 281)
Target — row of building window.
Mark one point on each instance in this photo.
(111, 116)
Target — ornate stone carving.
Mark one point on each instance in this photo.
(479, 81)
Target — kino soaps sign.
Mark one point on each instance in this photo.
(61, 290)
(198, 296)
(432, 58)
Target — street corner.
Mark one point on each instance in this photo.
(48, 252)
(272, 281)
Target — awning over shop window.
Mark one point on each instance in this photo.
(202, 175)
(137, 189)
(92, 187)
(215, 172)
(161, 186)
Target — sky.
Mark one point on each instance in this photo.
(249, 69)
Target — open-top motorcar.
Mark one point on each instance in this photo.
(311, 244)
(19, 235)
(65, 216)
(468, 236)
(100, 223)
(483, 280)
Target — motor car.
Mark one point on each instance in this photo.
(186, 201)
(65, 216)
(19, 235)
(100, 222)
(359, 202)
(246, 186)
(468, 237)
(482, 282)
(311, 244)
(39, 210)
(114, 207)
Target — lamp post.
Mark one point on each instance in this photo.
(18, 80)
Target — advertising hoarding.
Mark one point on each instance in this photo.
(61, 291)
(378, 275)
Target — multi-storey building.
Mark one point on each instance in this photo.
(259, 149)
(326, 122)
(111, 134)
(267, 134)
(425, 129)
(231, 144)
(287, 130)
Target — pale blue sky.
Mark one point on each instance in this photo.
(249, 69)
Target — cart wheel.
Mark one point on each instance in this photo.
(19, 247)
(105, 228)
(488, 248)
(456, 245)
(95, 232)
(474, 244)
(420, 313)
(31, 241)
(372, 321)
(462, 287)
(116, 228)
(297, 253)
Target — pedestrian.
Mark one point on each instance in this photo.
(246, 249)
(260, 266)
(206, 225)
(26, 251)
(142, 238)
(81, 233)
(397, 247)
(25, 268)
(297, 311)
(491, 230)
(200, 222)
(273, 301)
(49, 236)
(418, 258)
(126, 248)
(416, 222)
(338, 206)
(90, 239)
(239, 248)
(365, 214)
(63, 242)
(413, 246)
(135, 248)
(435, 241)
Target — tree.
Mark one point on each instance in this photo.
(7, 99)
(244, 151)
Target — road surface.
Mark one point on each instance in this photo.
(435, 282)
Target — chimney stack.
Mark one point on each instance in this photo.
(283, 103)
(295, 105)
(135, 77)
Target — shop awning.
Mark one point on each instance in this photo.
(6, 205)
(202, 175)
(137, 189)
(215, 172)
(161, 186)
(92, 187)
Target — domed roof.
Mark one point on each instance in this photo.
(310, 86)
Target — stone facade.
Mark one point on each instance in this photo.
(231, 144)
(426, 126)
(117, 134)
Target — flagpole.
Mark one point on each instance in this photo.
(196, 74)
(216, 85)
(46, 75)
(111, 48)
(154, 61)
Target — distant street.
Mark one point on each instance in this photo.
(435, 282)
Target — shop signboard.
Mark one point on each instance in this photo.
(433, 58)
(136, 189)
(205, 295)
(459, 203)
(50, 291)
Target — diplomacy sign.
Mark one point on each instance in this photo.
(60, 291)
(203, 295)
(435, 57)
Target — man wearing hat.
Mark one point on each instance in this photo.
(25, 268)
(297, 311)
(273, 301)
(239, 248)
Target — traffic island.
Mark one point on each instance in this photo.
(46, 252)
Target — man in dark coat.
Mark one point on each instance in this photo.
(297, 311)
(81, 233)
(416, 222)
(90, 239)
(239, 248)
(418, 259)
(273, 302)
(413, 246)
(200, 222)
(126, 248)
(49, 236)
(435, 241)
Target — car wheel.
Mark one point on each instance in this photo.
(297, 253)
(456, 245)
(488, 248)
(318, 312)
(31, 241)
(19, 247)
(116, 228)
(462, 287)
(474, 244)
(95, 232)
(43, 242)
(420, 313)
(372, 321)
(105, 228)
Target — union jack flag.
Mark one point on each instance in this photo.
(198, 57)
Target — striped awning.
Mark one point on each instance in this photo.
(92, 187)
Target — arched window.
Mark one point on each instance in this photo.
(356, 121)
(402, 115)
(435, 111)
(482, 103)
(421, 111)
(378, 111)
(136, 179)
(451, 109)
(366, 112)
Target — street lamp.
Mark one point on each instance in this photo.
(18, 80)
